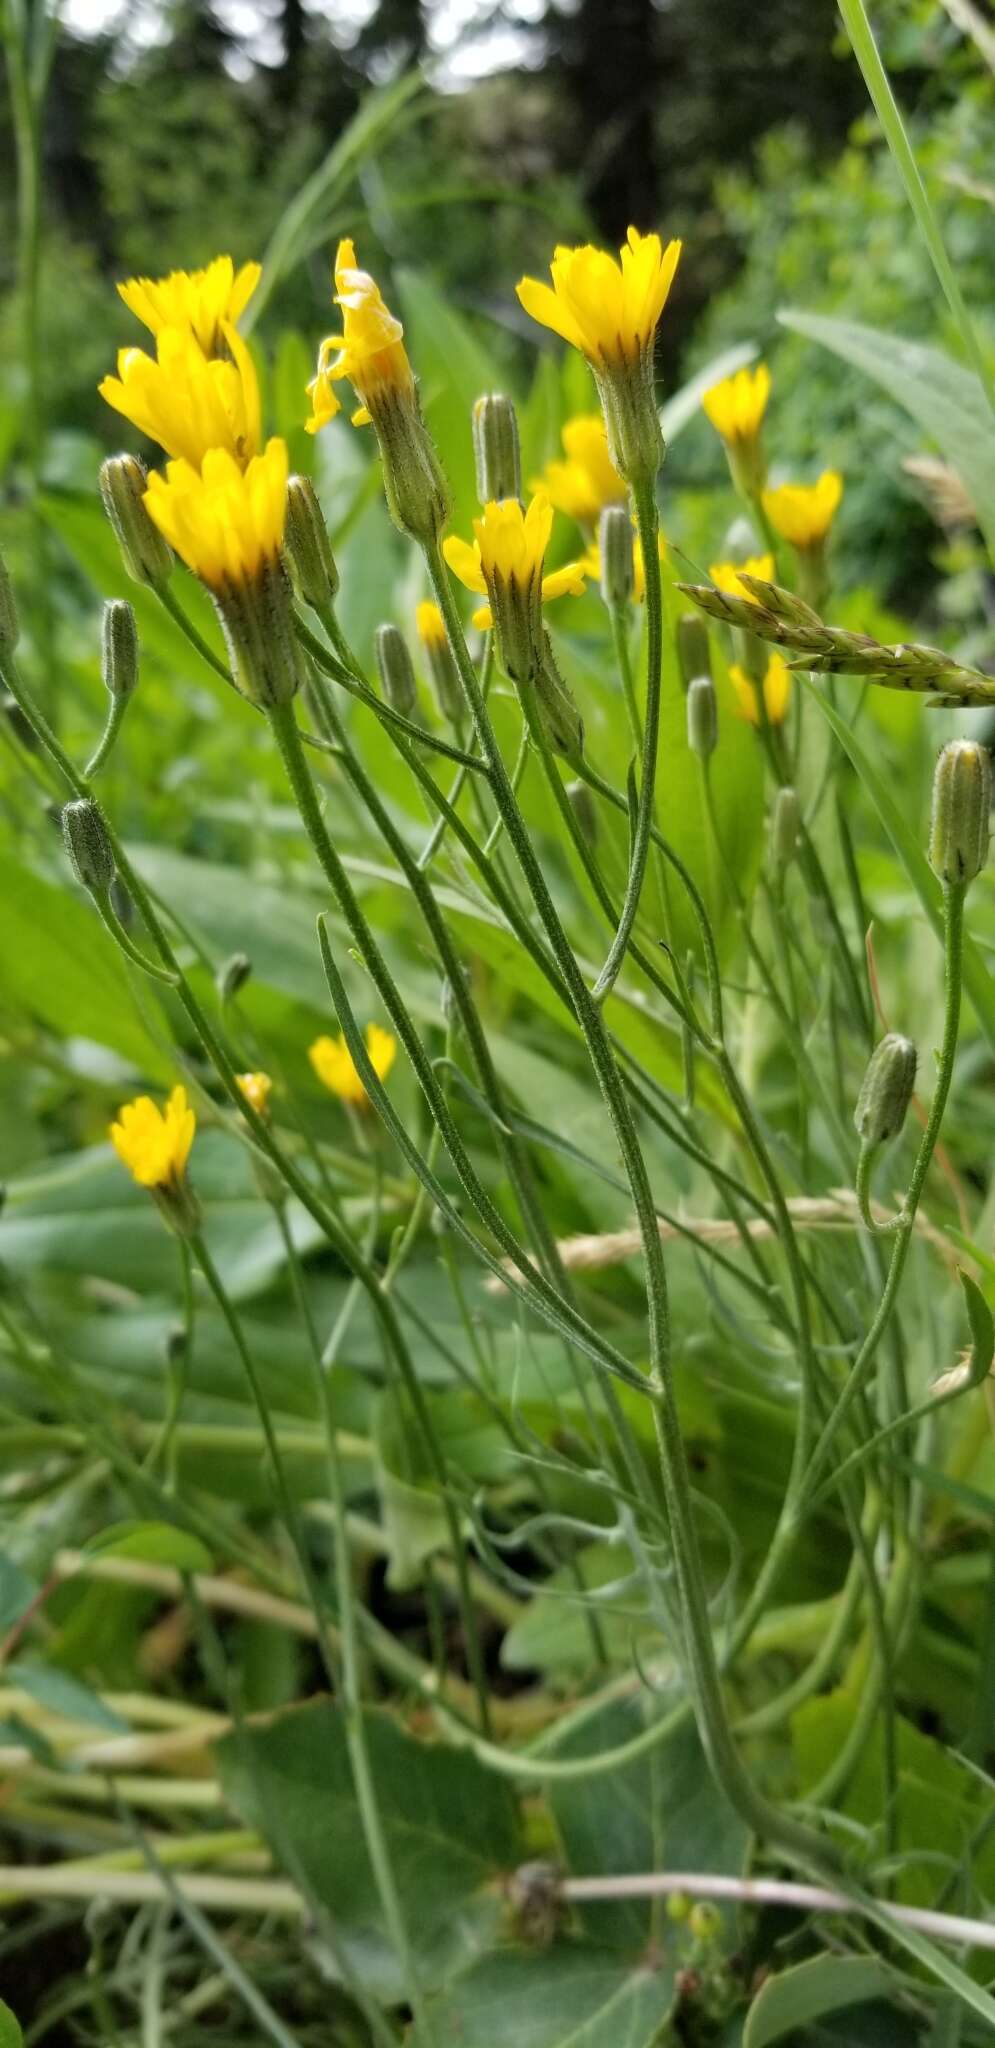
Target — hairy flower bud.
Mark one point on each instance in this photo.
(702, 716)
(693, 647)
(496, 449)
(306, 546)
(962, 799)
(617, 552)
(395, 668)
(10, 631)
(232, 976)
(88, 846)
(119, 647)
(886, 1090)
(440, 660)
(784, 827)
(146, 555)
(257, 619)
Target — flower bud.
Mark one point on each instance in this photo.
(147, 556)
(119, 647)
(784, 827)
(702, 714)
(414, 486)
(616, 548)
(395, 668)
(496, 449)
(962, 797)
(583, 807)
(10, 631)
(694, 652)
(88, 846)
(257, 619)
(704, 1920)
(440, 660)
(678, 1906)
(306, 546)
(886, 1090)
(232, 976)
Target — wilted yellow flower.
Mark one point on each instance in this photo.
(803, 513)
(776, 689)
(225, 522)
(371, 347)
(257, 1089)
(154, 1144)
(736, 406)
(607, 309)
(727, 576)
(333, 1063)
(205, 301)
(507, 557)
(187, 401)
(587, 481)
(592, 563)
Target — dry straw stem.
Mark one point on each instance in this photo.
(836, 1211)
(775, 614)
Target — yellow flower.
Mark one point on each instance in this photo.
(155, 1144)
(607, 309)
(332, 1062)
(776, 688)
(257, 1089)
(371, 348)
(726, 575)
(225, 523)
(588, 480)
(205, 301)
(187, 401)
(592, 563)
(803, 513)
(737, 405)
(506, 558)
(430, 624)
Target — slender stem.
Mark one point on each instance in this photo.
(115, 718)
(648, 523)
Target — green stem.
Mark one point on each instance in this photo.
(115, 719)
(648, 524)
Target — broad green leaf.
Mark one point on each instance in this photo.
(81, 524)
(978, 982)
(64, 1695)
(946, 401)
(153, 1543)
(17, 1591)
(569, 1996)
(57, 964)
(826, 1984)
(451, 1832)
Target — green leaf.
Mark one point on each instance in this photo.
(825, 1985)
(153, 1543)
(946, 401)
(64, 1695)
(10, 2031)
(17, 1591)
(979, 983)
(57, 964)
(569, 1996)
(80, 523)
(413, 1518)
(451, 1831)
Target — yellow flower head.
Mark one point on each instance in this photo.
(257, 1089)
(370, 348)
(154, 1144)
(203, 301)
(737, 405)
(187, 401)
(332, 1062)
(727, 575)
(607, 309)
(507, 557)
(803, 513)
(776, 688)
(587, 481)
(592, 564)
(225, 522)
